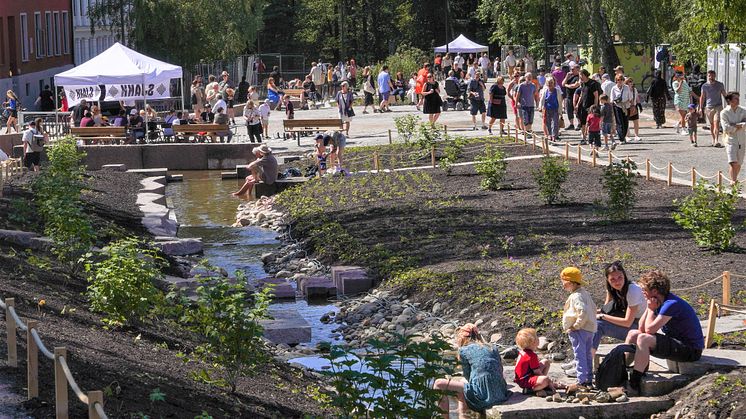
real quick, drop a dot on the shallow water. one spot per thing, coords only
(205, 208)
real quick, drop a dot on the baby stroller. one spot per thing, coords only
(454, 96)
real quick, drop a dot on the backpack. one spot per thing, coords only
(613, 369)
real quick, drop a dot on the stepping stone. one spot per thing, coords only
(175, 178)
(149, 197)
(286, 326)
(317, 287)
(115, 167)
(283, 291)
(353, 282)
(228, 175)
(161, 171)
(180, 247)
(661, 383)
(288, 159)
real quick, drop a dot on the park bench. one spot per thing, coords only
(105, 135)
(296, 96)
(195, 130)
(297, 127)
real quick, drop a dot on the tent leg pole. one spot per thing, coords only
(145, 107)
(181, 83)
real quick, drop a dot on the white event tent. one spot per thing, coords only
(119, 73)
(462, 44)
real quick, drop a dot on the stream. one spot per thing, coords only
(205, 209)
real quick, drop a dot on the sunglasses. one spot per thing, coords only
(429, 77)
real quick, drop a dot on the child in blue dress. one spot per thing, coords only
(483, 385)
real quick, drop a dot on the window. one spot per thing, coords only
(65, 33)
(56, 33)
(2, 41)
(50, 34)
(39, 31)
(28, 89)
(24, 37)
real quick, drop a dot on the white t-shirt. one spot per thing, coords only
(484, 62)
(635, 298)
(317, 75)
(459, 61)
(510, 61)
(447, 62)
(264, 111)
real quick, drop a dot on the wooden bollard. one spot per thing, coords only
(60, 385)
(10, 328)
(694, 178)
(720, 178)
(432, 155)
(593, 158)
(580, 154)
(376, 162)
(445, 130)
(611, 158)
(390, 140)
(567, 151)
(628, 160)
(93, 398)
(647, 169)
(670, 174)
(726, 288)
(710, 324)
(32, 361)
(533, 139)
(525, 138)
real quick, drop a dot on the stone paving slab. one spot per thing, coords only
(287, 326)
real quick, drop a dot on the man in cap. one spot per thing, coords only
(263, 169)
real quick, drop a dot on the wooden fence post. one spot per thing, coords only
(60, 385)
(10, 327)
(580, 154)
(546, 146)
(720, 179)
(593, 158)
(32, 361)
(726, 288)
(432, 155)
(694, 178)
(647, 169)
(670, 173)
(710, 333)
(390, 140)
(611, 158)
(376, 162)
(93, 398)
(533, 138)
(567, 151)
(525, 138)
(445, 130)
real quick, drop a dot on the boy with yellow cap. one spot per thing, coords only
(579, 321)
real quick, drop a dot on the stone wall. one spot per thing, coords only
(199, 156)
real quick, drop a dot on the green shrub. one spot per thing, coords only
(618, 180)
(428, 135)
(550, 177)
(451, 153)
(228, 316)
(406, 126)
(393, 380)
(406, 59)
(121, 285)
(708, 214)
(492, 167)
(57, 193)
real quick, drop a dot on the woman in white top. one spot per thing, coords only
(625, 304)
(621, 97)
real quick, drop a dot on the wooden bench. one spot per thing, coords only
(298, 126)
(296, 96)
(104, 135)
(196, 129)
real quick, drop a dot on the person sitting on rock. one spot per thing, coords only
(683, 340)
(530, 373)
(263, 169)
(483, 385)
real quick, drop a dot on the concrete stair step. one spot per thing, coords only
(520, 406)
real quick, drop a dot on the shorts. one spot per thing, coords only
(735, 150)
(606, 128)
(529, 382)
(322, 162)
(527, 115)
(384, 95)
(692, 131)
(265, 122)
(667, 347)
(343, 116)
(14, 113)
(713, 113)
(477, 106)
(594, 138)
(32, 159)
(582, 115)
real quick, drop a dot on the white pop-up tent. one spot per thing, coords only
(462, 44)
(118, 73)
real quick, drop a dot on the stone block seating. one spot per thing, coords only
(283, 290)
(317, 287)
(262, 189)
(286, 326)
(350, 280)
(115, 167)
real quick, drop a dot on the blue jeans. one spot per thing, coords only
(582, 341)
(608, 329)
(527, 114)
(551, 122)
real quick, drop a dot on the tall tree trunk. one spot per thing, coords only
(603, 42)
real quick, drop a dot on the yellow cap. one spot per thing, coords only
(572, 274)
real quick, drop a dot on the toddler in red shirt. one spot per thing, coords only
(530, 373)
(594, 128)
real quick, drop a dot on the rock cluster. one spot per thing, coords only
(261, 213)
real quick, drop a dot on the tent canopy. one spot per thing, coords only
(462, 44)
(118, 64)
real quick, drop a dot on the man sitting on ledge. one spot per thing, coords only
(683, 340)
(263, 169)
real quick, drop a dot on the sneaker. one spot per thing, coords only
(683, 132)
(631, 391)
(489, 130)
(572, 373)
(578, 128)
(583, 142)
(502, 132)
(365, 112)
(718, 145)
(570, 127)
(474, 128)
(638, 139)
(613, 145)
(484, 126)
(694, 144)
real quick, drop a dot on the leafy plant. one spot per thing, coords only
(121, 285)
(451, 153)
(157, 395)
(708, 214)
(228, 316)
(57, 191)
(492, 167)
(406, 126)
(428, 134)
(393, 380)
(618, 180)
(550, 177)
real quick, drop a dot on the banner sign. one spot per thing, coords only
(159, 89)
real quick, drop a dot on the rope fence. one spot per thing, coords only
(63, 377)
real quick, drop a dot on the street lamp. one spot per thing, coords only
(446, 25)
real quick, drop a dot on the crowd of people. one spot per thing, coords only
(646, 315)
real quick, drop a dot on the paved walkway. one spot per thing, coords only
(659, 145)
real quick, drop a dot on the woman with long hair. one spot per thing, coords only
(369, 89)
(483, 385)
(433, 102)
(11, 104)
(273, 94)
